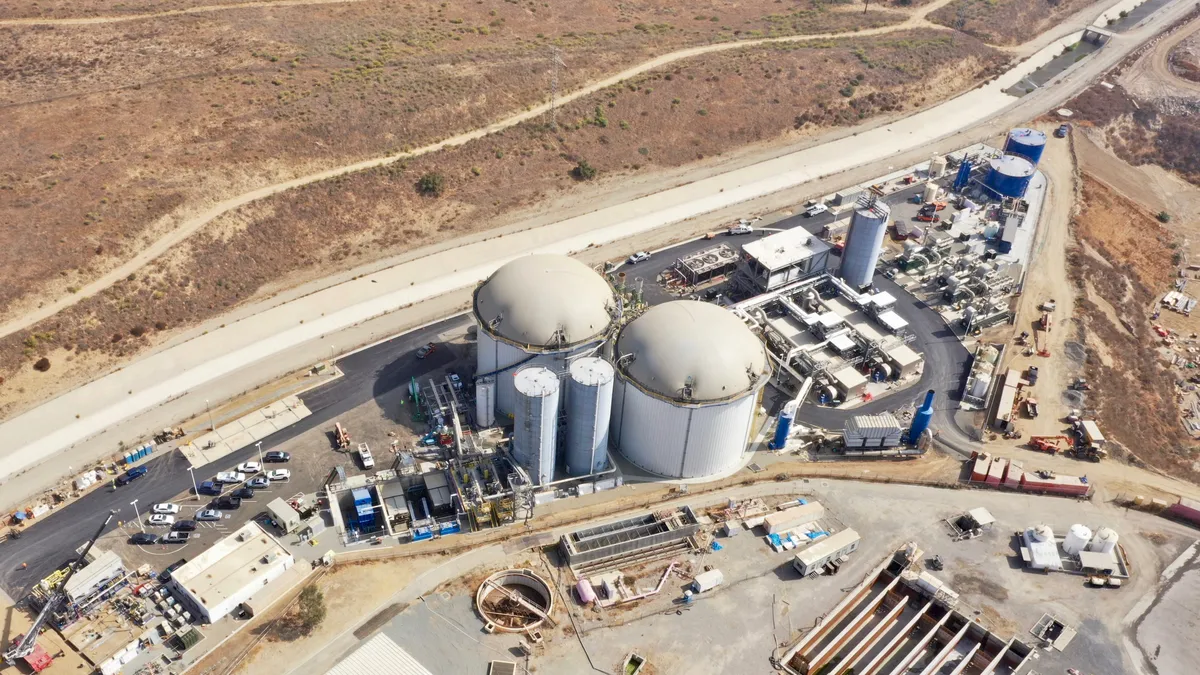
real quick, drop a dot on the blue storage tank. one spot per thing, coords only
(863, 242)
(1027, 143)
(783, 428)
(922, 419)
(1008, 176)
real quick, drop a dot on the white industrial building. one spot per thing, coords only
(784, 258)
(536, 310)
(829, 549)
(237, 567)
(689, 378)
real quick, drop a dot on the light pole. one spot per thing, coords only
(211, 426)
(194, 488)
(260, 462)
(137, 515)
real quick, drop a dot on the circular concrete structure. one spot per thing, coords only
(506, 601)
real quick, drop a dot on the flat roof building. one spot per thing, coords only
(785, 257)
(811, 559)
(215, 582)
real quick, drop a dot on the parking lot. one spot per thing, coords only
(383, 419)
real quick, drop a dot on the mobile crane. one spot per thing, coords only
(25, 645)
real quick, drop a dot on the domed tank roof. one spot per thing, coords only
(1106, 532)
(688, 345)
(1043, 532)
(1011, 165)
(528, 300)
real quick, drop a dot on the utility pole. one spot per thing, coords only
(211, 426)
(556, 63)
(137, 515)
(195, 489)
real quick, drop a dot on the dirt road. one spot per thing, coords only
(207, 9)
(1151, 76)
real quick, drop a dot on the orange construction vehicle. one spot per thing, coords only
(1051, 444)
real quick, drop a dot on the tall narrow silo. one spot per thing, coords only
(864, 241)
(589, 407)
(535, 421)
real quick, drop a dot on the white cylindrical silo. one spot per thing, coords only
(1104, 541)
(538, 310)
(485, 402)
(589, 408)
(689, 375)
(864, 242)
(1077, 539)
(535, 421)
(929, 193)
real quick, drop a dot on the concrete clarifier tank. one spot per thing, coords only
(589, 409)
(535, 422)
(864, 242)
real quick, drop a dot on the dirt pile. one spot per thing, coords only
(1122, 259)
(1185, 58)
(668, 118)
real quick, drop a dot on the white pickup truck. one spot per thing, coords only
(816, 210)
(364, 455)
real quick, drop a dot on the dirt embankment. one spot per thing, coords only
(1185, 58)
(1122, 260)
(1005, 22)
(114, 132)
(1142, 113)
(667, 118)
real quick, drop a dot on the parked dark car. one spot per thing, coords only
(144, 538)
(277, 456)
(243, 493)
(131, 475)
(228, 502)
(165, 575)
(209, 487)
(184, 526)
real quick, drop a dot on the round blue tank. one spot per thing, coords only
(1027, 143)
(1008, 176)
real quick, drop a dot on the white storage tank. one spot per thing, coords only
(980, 387)
(485, 401)
(1104, 541)
(689, 378)
(1077, 539)
(1043, 532)
(864, 242)
(929, 193)
(538, 310)
(535, 421)
(589, 409)
(937, 167)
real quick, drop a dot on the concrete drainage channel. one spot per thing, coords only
(515, 601)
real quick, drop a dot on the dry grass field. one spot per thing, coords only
(667, 118)
(1005, 22)
(115, 131)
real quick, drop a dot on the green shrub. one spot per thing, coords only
(584, 171)
(431, 184)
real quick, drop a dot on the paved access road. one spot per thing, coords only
(50, 543)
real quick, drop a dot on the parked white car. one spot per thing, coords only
(364, 455)
(231, 477)
(166, 508)
(161, 519)
(816, 210)
(640, 256)
(279, 474)
(741, 228)
(249, 467)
